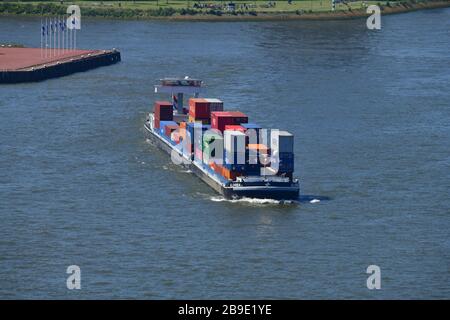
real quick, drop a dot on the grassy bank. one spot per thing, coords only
(213, 10)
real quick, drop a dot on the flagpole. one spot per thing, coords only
(59, 35)
(63, 29)
(58, 25)
(54, 37)
(70, 39)
(40, 31)
(68, 36)
(45, 38)
(55, 40)
(51, 37)
(65, 34)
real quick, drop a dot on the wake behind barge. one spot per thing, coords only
(232, 181)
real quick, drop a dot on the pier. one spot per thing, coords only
(30, 64)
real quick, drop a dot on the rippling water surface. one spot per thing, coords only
(370, 113)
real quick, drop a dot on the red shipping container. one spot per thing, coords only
(163, 111)
(235, 128)
(219, 119)
(168, 129)
(199, 108)
(216, 167)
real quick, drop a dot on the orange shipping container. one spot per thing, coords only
(182, 133)
(229, 174)
(262, 148)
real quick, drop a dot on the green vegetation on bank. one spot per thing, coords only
(167, 8)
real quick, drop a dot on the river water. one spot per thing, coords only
(79, 184)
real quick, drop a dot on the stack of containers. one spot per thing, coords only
(234, 149)
(163, 111)
(284, 147)
(211, 143)
(169, 128)
(258, 155)
(169, 125)
(252, 130)
(196, 141)
(190, 137)
(199, 110)
(219, 119)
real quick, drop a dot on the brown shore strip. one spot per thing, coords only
(285, 16)
(337, 15)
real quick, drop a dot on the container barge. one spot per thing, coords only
(234, 157)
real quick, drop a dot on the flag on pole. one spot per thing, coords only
(65, 30)
(51, 37)
(57, 33)
(46, 37)
(74, 34)
(54, 36)
(61, 27)
(42, 35)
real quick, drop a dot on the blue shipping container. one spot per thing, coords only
(162, 125)
(251, 126)
(235, 167)
(191, 127)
